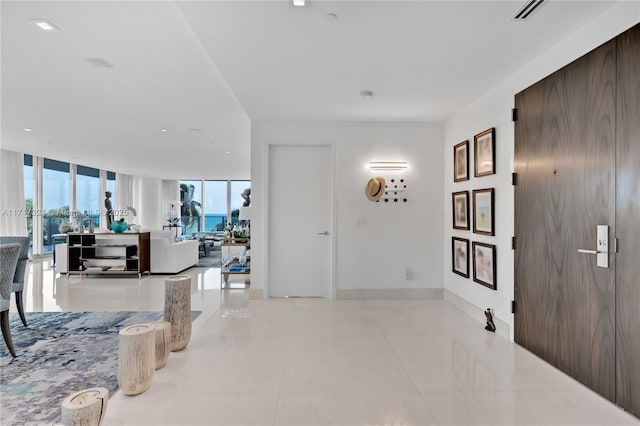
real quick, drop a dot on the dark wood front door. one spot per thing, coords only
(565, 160)
(628, 222)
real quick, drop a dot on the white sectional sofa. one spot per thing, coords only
(169, 257)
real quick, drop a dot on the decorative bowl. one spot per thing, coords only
(119, 226)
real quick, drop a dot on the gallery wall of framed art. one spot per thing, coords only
(474, 211)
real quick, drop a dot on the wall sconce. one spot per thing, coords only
(388, 165)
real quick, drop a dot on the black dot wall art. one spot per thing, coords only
(395, 191)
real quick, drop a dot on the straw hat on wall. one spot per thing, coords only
(375, 188)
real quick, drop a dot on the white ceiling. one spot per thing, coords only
(200, 65)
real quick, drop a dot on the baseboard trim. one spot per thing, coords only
(502, 328)
(399, 293)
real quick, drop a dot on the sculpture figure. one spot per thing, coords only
(246, 194)
(109, 207)
(490, 325)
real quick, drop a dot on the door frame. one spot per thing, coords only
(332, 211)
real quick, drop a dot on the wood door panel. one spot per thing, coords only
(628, 222)
(565, 160)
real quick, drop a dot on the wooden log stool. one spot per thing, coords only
(163, 342)
(85, 408)
(177, 309)
(136, 358)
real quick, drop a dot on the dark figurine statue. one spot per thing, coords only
(490, 325)
(109, 208)
(246, 194)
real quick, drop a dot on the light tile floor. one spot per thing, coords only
(322, 362)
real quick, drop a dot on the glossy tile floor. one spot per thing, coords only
(322, 362)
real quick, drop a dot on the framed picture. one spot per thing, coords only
(461, 161)
(460, 207)
(460, 256)
(483, 211)
(484, 145)
(484, 264)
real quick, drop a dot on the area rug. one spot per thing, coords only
(58, 354)
(212, 259)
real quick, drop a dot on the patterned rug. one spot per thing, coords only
(212, 259)
(58, 354)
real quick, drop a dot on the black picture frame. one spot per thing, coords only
(461, 161)
(460, 210)
(484, 211)
(484, 148)
(460, 256)
(485, 264)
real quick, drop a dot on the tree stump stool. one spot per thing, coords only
(85, 408)
(163, 342)
(136, 358)
(177, 309)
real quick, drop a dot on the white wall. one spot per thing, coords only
(494, 110)
(396, 236)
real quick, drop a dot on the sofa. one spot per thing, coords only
(170, 257)
(167, 256)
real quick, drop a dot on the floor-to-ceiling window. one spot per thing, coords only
(211, 205)
(236, 199)
(55, 200)
(28, 193)
(88, 197)
(215, 205)
(111, 184)
(191, 210)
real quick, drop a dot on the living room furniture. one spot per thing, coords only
(86, 407)
(136, 358)
(169, 257)
(166, 256)
(9, 254)
(232, 266)
(177, 310)
(108, 253)
(17, 286)
(163, 342)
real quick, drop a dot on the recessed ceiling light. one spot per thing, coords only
(164, 130)
(45, 25)
(195, 129)
(299, 3)
(366, 94)
(211, 144)
(26, 129)
(227, 152)
(331, 17)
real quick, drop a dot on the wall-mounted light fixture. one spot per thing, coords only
(388, 165)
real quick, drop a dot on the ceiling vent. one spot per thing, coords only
(98, 62)
(527, 9)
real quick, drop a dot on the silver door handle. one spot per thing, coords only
(590, 251)
(602, 247)
(325, 233)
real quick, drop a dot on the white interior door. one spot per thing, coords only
(299, 248)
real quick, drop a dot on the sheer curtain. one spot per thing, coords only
(124, 193)
(13, 218)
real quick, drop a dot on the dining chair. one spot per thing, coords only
(9, 254)
(17, 286)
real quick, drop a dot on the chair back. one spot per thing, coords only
(8, 259)
(23, 257)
